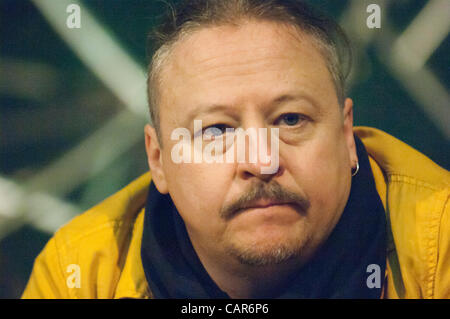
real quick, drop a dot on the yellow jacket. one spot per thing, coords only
(104, 243)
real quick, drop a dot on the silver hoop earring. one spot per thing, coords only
(356, 169)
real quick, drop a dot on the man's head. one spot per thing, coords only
(233, 66)
(197, 14)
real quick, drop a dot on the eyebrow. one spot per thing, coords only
(284, 98)
(206, 110)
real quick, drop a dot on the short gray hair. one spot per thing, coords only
(191, 15)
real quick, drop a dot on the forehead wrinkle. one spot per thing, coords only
(234, 66)
(239, 69)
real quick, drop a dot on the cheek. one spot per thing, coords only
(320, 170)
(198, 191)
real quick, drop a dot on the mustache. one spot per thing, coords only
(262, 191)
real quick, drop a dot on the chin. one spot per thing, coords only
(268, 247)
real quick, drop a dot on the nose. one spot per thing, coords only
(261, 158)
(253, 170)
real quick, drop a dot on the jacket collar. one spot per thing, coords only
(132, 282)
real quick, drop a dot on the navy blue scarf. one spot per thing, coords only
(338, 269)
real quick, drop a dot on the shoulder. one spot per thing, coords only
(396, 159)
(417, 205)
(111, 219)
(94, 243)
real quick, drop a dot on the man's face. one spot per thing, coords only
(258, 75)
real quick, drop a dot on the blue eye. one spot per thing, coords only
(215, 130)
(290, 119)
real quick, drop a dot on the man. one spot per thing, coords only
(346, 213)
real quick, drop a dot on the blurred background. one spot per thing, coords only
(73, 103)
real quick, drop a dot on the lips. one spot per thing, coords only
(265, 204)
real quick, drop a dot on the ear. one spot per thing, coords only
(154, 158)
(348, 131)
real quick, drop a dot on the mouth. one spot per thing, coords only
(267, 200)
(264, 205)
(269, 214)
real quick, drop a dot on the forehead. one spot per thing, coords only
(228, 64)
(265, 37)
